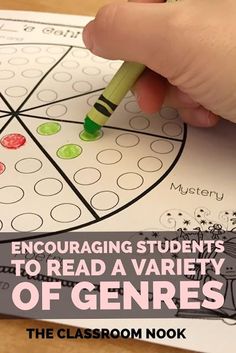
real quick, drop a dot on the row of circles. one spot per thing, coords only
(21, 61)
(34, 73)
(107, 156)
(90, 175)
(10, 50)
(124, 140)
(102, 201)
(47, 60)
(29, 222)
(51, 186)
(76, 53)
(110, 157)
(59, 110)
(45, 95)
(63, 213)
(138, 122)
(66, 212)
(60, 76)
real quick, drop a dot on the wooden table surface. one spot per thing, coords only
(13, 338)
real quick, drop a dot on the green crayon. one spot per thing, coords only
(116, 90)
(111, 97)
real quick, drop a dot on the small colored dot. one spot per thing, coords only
(85, 136)
(69, 151)
(2, 168)
(48, 129)
(13, 141)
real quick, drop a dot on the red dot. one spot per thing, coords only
(13, 141)
(2, 168)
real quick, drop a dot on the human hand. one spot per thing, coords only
(189, 48)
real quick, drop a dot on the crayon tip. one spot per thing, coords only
(90, 126)
(86, 136)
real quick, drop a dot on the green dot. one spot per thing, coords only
(69, 151)
(86, 136)
(48, 129)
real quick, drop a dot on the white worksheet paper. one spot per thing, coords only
(146, 172)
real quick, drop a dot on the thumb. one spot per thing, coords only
(136, 32)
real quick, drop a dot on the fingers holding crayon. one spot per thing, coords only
(152, 91)
(188, 48)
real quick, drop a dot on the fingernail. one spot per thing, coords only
(204, 117)
(212, 119)
(87, 36)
